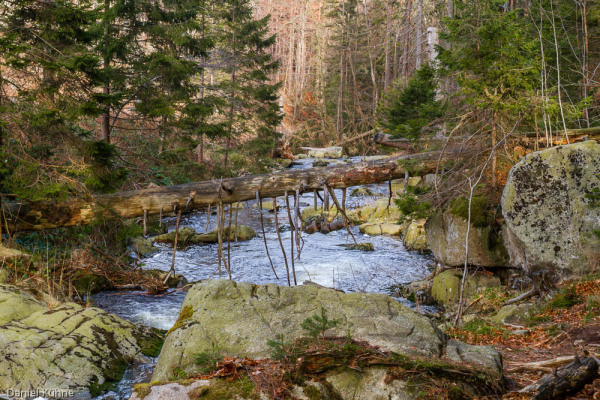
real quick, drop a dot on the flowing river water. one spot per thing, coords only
(324, 260)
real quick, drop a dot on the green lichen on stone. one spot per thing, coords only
(186, 313)
(142, 390)
(222, 389)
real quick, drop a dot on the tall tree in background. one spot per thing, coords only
(251, 99)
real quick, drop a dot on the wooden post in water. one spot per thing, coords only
(145, 218)
(287, 268)
(297, 221)
(229, 241)
(292, 230)
(172, 270)
(262, 226)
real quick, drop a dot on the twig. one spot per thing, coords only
(287, 268)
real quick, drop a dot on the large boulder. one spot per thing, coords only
(239, 318)
(446, 235)
(547, 209)
(85, 350)
(446, 285)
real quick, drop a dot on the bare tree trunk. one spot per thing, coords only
(388, 36)
(407, 39)
(419, 52)
(106, 89)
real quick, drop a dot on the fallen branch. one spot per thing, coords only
(561, 382)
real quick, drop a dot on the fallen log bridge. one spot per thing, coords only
(162, 200)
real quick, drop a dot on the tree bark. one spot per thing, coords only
(129, 204)
(562, 382)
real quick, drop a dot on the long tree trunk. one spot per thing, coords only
(42, 215)
(106, 89)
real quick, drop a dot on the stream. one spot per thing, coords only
(324, 260)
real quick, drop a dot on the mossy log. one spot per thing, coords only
(562, 382)
(162, 200)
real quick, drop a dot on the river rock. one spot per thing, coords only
(266, 205)
(446, 239)
(239, 318)
(300, 157)
(446, 285)
(327, 152)
(144, 247)
(188, 236)
(383, 228)
(547, 209)
(68, 347)
(414, 236)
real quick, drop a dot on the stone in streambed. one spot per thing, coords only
(256, 313)
(327, 152)
(414, 235)
(68, 347)
(266, 205)
(188, 236)
(385, 228)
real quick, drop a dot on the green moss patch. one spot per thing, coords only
(186, 313)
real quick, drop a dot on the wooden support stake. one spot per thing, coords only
(172, 270)
(229, 241)
(297, 221)
(262, 225)
(390, 194)
(315, 198)
(326, 199)
(145, 218)
(346, 220)
(237, 207)
(406, 177)
(208, 217)
(160, 218)
(292, 230)
(219, 237)
(287, 268)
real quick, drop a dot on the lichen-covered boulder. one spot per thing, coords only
(446, 285)
(327, 152)
(547, 208)
(446, 235)
(188, 236)
(515, 314)
(69, 347)
(414, 235)
(383, 228)
(239, 318)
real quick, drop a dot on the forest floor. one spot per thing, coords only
(567, 324)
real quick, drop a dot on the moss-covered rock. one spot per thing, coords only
(86, 282)
(188, 236)
(16, 304)
(446, 235)
(547, 209)
(327, 152)
(256, 313)
(266, 205)
(68, 347)
(515, 314)
(144, 247)
(414, 236)
(446, 286)
(382, 228)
